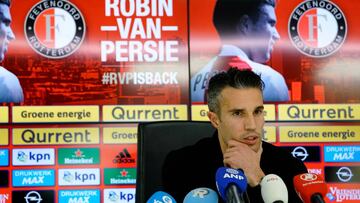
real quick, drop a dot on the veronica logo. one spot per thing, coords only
(54, 29)
(317, 28)
(342, 153)
(79, 196)
(30, 178)
(83, 176)
(4, 157)
(119, 195)
(29, 157)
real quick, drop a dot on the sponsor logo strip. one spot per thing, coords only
(31, 178)
(4, 133)
(33, 196)
(73, 156)
(80, 176)
(345, 193)
(126, 135)
(342, 174)
(79, 196)
(120, 156)
(119, 195)
(119, 176)
(55, 136)
(319, 112)
(305, 153)
(33, 157)
(55, 114)
(135, 113)
(199, 112)
(4, 114)
(342, 153)
(319, 133)
(4, 157)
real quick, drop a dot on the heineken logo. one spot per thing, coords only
(119, 176)
(79, 156)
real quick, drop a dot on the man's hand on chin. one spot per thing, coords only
(240, 156)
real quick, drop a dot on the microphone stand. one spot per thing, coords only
(233, 195)
(317, 198)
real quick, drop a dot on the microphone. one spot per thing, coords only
(161, 197)
(201, 195)
(273, 189)
(311, 188)
(231, 184)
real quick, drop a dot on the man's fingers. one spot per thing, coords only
(234, 143)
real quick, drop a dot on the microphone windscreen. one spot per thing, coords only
(308, 184)
(201, 195)
(226, 176)
(273, 189)
(161, 197)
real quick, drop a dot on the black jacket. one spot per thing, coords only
(195, 166)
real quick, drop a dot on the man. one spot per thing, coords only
(10, 89)
(248, 34)
(236, 110)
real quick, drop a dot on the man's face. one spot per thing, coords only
(263, 34)
(6, 33)
(241, 117)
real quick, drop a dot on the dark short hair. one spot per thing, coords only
(7, 2)
(236, 78)
(228, 12)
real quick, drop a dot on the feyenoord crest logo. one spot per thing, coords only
(317, 28)
(54, 28)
